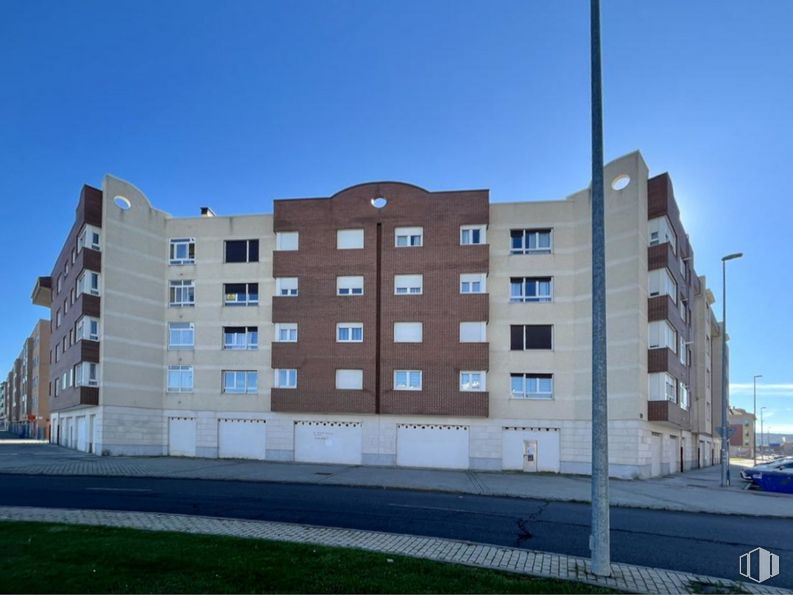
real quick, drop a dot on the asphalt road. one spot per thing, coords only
(692, 542)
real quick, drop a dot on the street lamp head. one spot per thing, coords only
(732, 256)
(757, 376)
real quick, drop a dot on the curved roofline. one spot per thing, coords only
(379, 182)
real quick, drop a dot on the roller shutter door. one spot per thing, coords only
(241, 438)
(328, 442)
(432, 445)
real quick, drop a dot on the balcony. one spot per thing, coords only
(666, 360)
(42, 292)
(661, 307)
(668, 413)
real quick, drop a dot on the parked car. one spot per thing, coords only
(781, 464)
(776, 480)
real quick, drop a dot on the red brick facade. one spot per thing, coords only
(441, 259)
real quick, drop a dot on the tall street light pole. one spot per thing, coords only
(599, 540)
(725, 394)
(761, 424)
(754, 412)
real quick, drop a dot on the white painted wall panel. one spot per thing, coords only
(432, 445)
(328, 442)
(241, 438)
(548, 448)
(181, 436)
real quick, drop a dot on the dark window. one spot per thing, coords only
(530, 336)
(241, 294)
(242, 250)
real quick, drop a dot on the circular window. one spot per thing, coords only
(379, 202)
(620, 182)
(122, 203)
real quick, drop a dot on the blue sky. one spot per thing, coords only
(232, 104)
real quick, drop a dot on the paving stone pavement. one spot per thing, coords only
(625, 577)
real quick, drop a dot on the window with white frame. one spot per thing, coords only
(182, 251)
(473, 283)
(285, 378)
(661, 282)
(58, 317)
(88, 282)
(240, 381)
(471, 235)
(531, 386)
(352, 285)
(408, 332)
(473, 332)
(181, 335)
(661, 232)
(86, 374)
(530, 289)
(181, 293)
(287, 240)
(349, 239)
(407, 379)
(286, 286)
(242, 251)
(662, 335)
(285, 332)
(89, 238)
(663, 387)
(530, 241)
(180, 379)
(59, 284)
(241, 337)
(241, 294)
(473, 381)
(349, 332)
(408, 284)
(349, 379)
(408, 237)
(683, 402)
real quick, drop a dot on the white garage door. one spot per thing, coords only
(181, 436)
(82, 434)
(432, 445)
(241, 438)
(530, 449)
(657, 453)
(328, 442)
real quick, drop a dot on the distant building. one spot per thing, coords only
(741, 433)
(25, 392)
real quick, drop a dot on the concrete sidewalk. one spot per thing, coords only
(694, 491)
(625, 577)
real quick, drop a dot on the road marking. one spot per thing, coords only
(119, 490)
(432, 508)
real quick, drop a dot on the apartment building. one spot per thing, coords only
(3, 406)
(383, 325)
(742, 432)
(25, 403)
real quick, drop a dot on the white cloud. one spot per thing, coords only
(765, 390)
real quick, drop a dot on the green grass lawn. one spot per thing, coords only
(54, 558)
